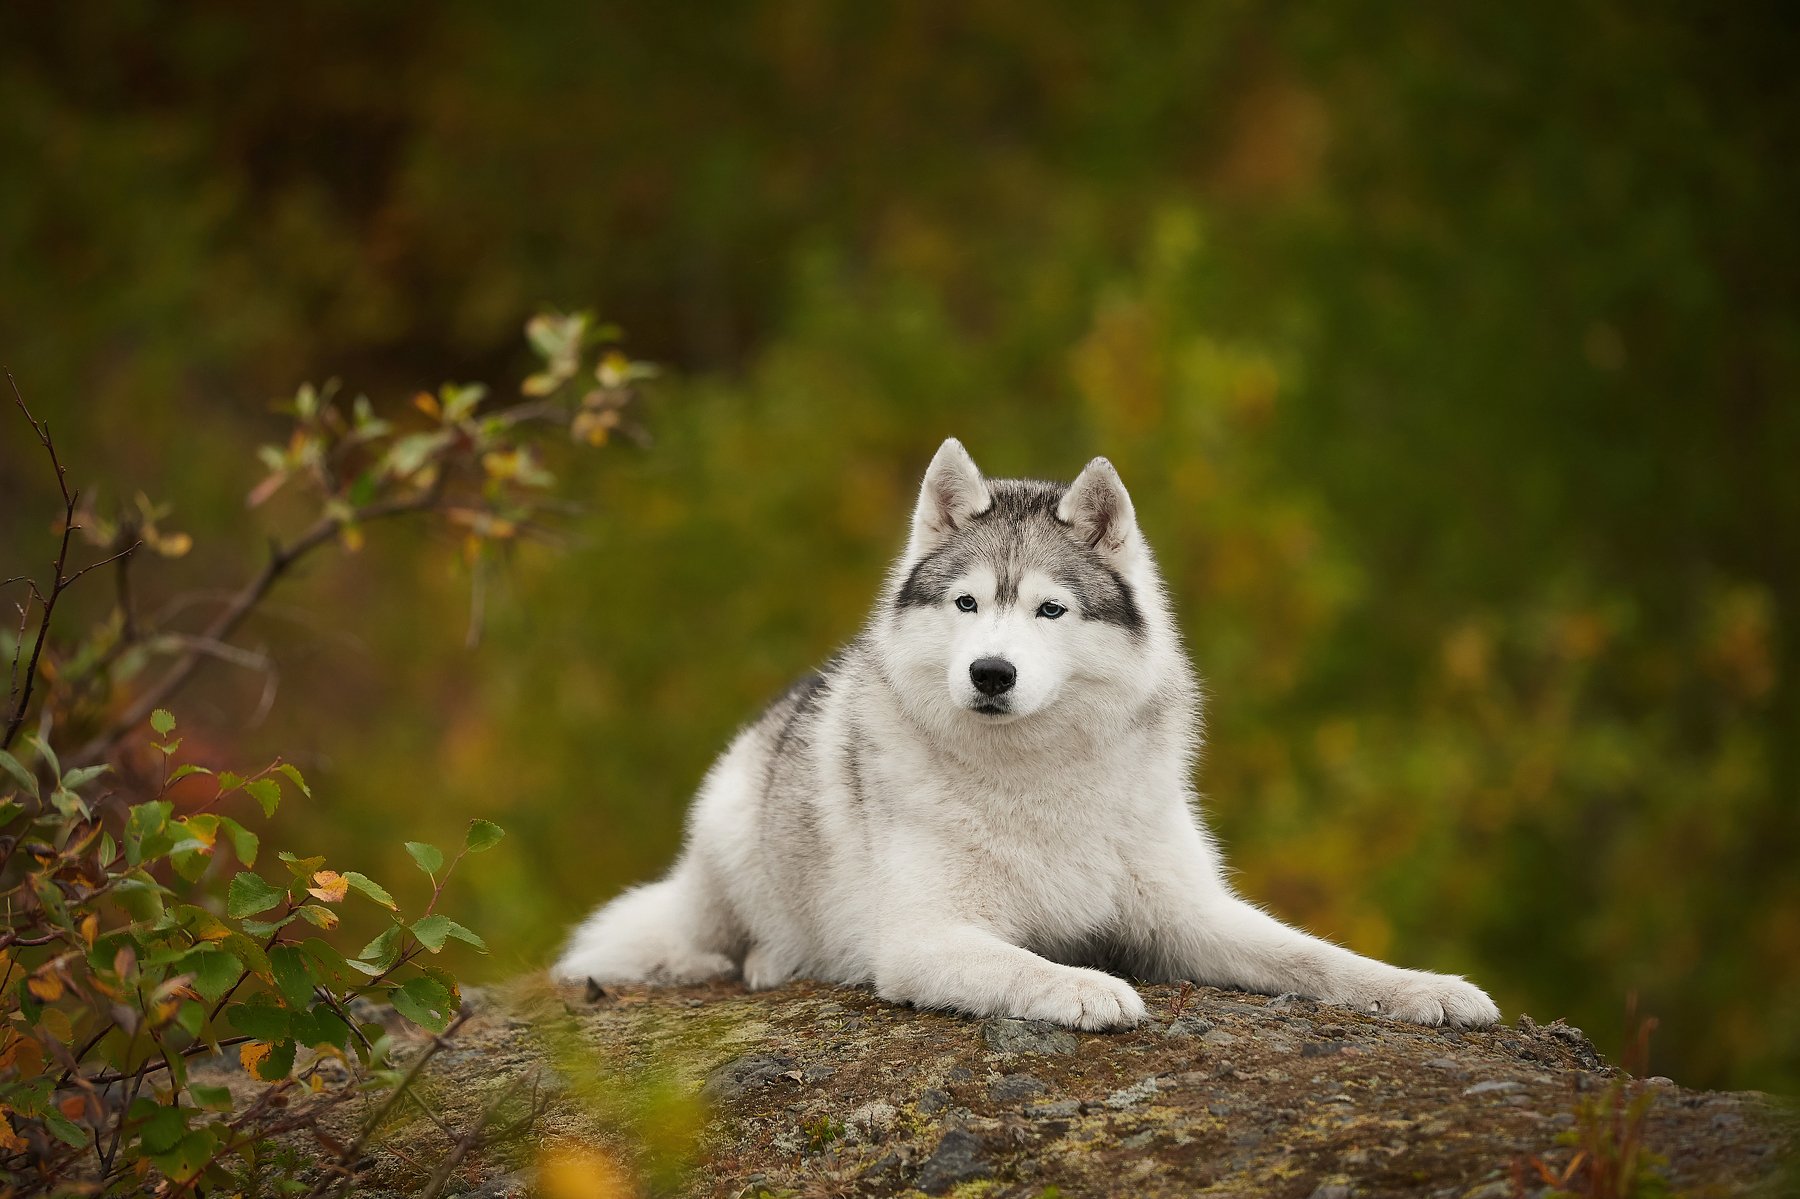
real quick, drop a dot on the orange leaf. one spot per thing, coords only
(46, 987)
(253, 1053)
(329, 886)
(73, 1106)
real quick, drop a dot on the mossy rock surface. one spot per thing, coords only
(815, 1090)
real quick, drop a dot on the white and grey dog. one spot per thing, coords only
(984, 803)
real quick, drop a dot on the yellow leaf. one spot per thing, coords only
(55, 1021)
(427, 403)
(90, 928)
(46, 987)
(329, 886)
(10, 1141)
(253, 1053)
(572, 1171)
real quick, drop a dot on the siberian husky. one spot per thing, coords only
(984, 804)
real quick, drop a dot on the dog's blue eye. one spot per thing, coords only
(1050, 609)
(965, 603)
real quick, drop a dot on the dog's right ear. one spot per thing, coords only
(953, 494)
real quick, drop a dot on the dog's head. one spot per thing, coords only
(1017, 597)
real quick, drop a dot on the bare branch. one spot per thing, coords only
(348, 1158)
(281, 559)
(57, 583)
(113, 558)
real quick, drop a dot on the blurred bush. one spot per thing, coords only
(1450, 357)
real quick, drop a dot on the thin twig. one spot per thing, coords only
(57, 582)
(281, 559)
(440, 1177)
(350, 1155)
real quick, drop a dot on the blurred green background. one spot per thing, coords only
(1451, 357)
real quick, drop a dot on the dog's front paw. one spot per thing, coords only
(1420, 997)
(1086, 999)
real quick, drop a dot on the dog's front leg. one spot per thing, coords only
(1193, 926)
(952, 964)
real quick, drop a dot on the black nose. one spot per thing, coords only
(991, 676)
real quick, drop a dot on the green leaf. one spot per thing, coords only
(143, 828)
(22, 776)
(48, 754)
(162, 1129)
(302, 867)
(63, 1128)
(367, 886)
(384, 950)
(191, 1017)
(69, 804)
(266, 792)
(249, 894)
(432, 931)
(317, 914)
(293, 774)
(212, 1099)
(483, 836)
(264, 1021)
(424, 1001)
(262, 928)
(278, 1064)
(251, 954)
(141, 896)
(293, 974)
(215, 971)
(429, 857)
(319, 1025)
(10, 810)
(244, 843)
(329, 965)
(163, 721)
(185, 769)
(185, 1162)
(467, 936)
(84, 776)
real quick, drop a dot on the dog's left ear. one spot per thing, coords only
(1098, 509)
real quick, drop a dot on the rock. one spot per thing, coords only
(876, 1119)
(514, 1185)
(957, 1158)
(1293, 1000)
(1056, 1109)
(1332, 1190)
(1010, 1088)
(1494, 1086)
(1008, 1037)
(752, 1070)
(1134, 1094)
(932, 1100)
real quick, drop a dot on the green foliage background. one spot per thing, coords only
(1451, 358)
